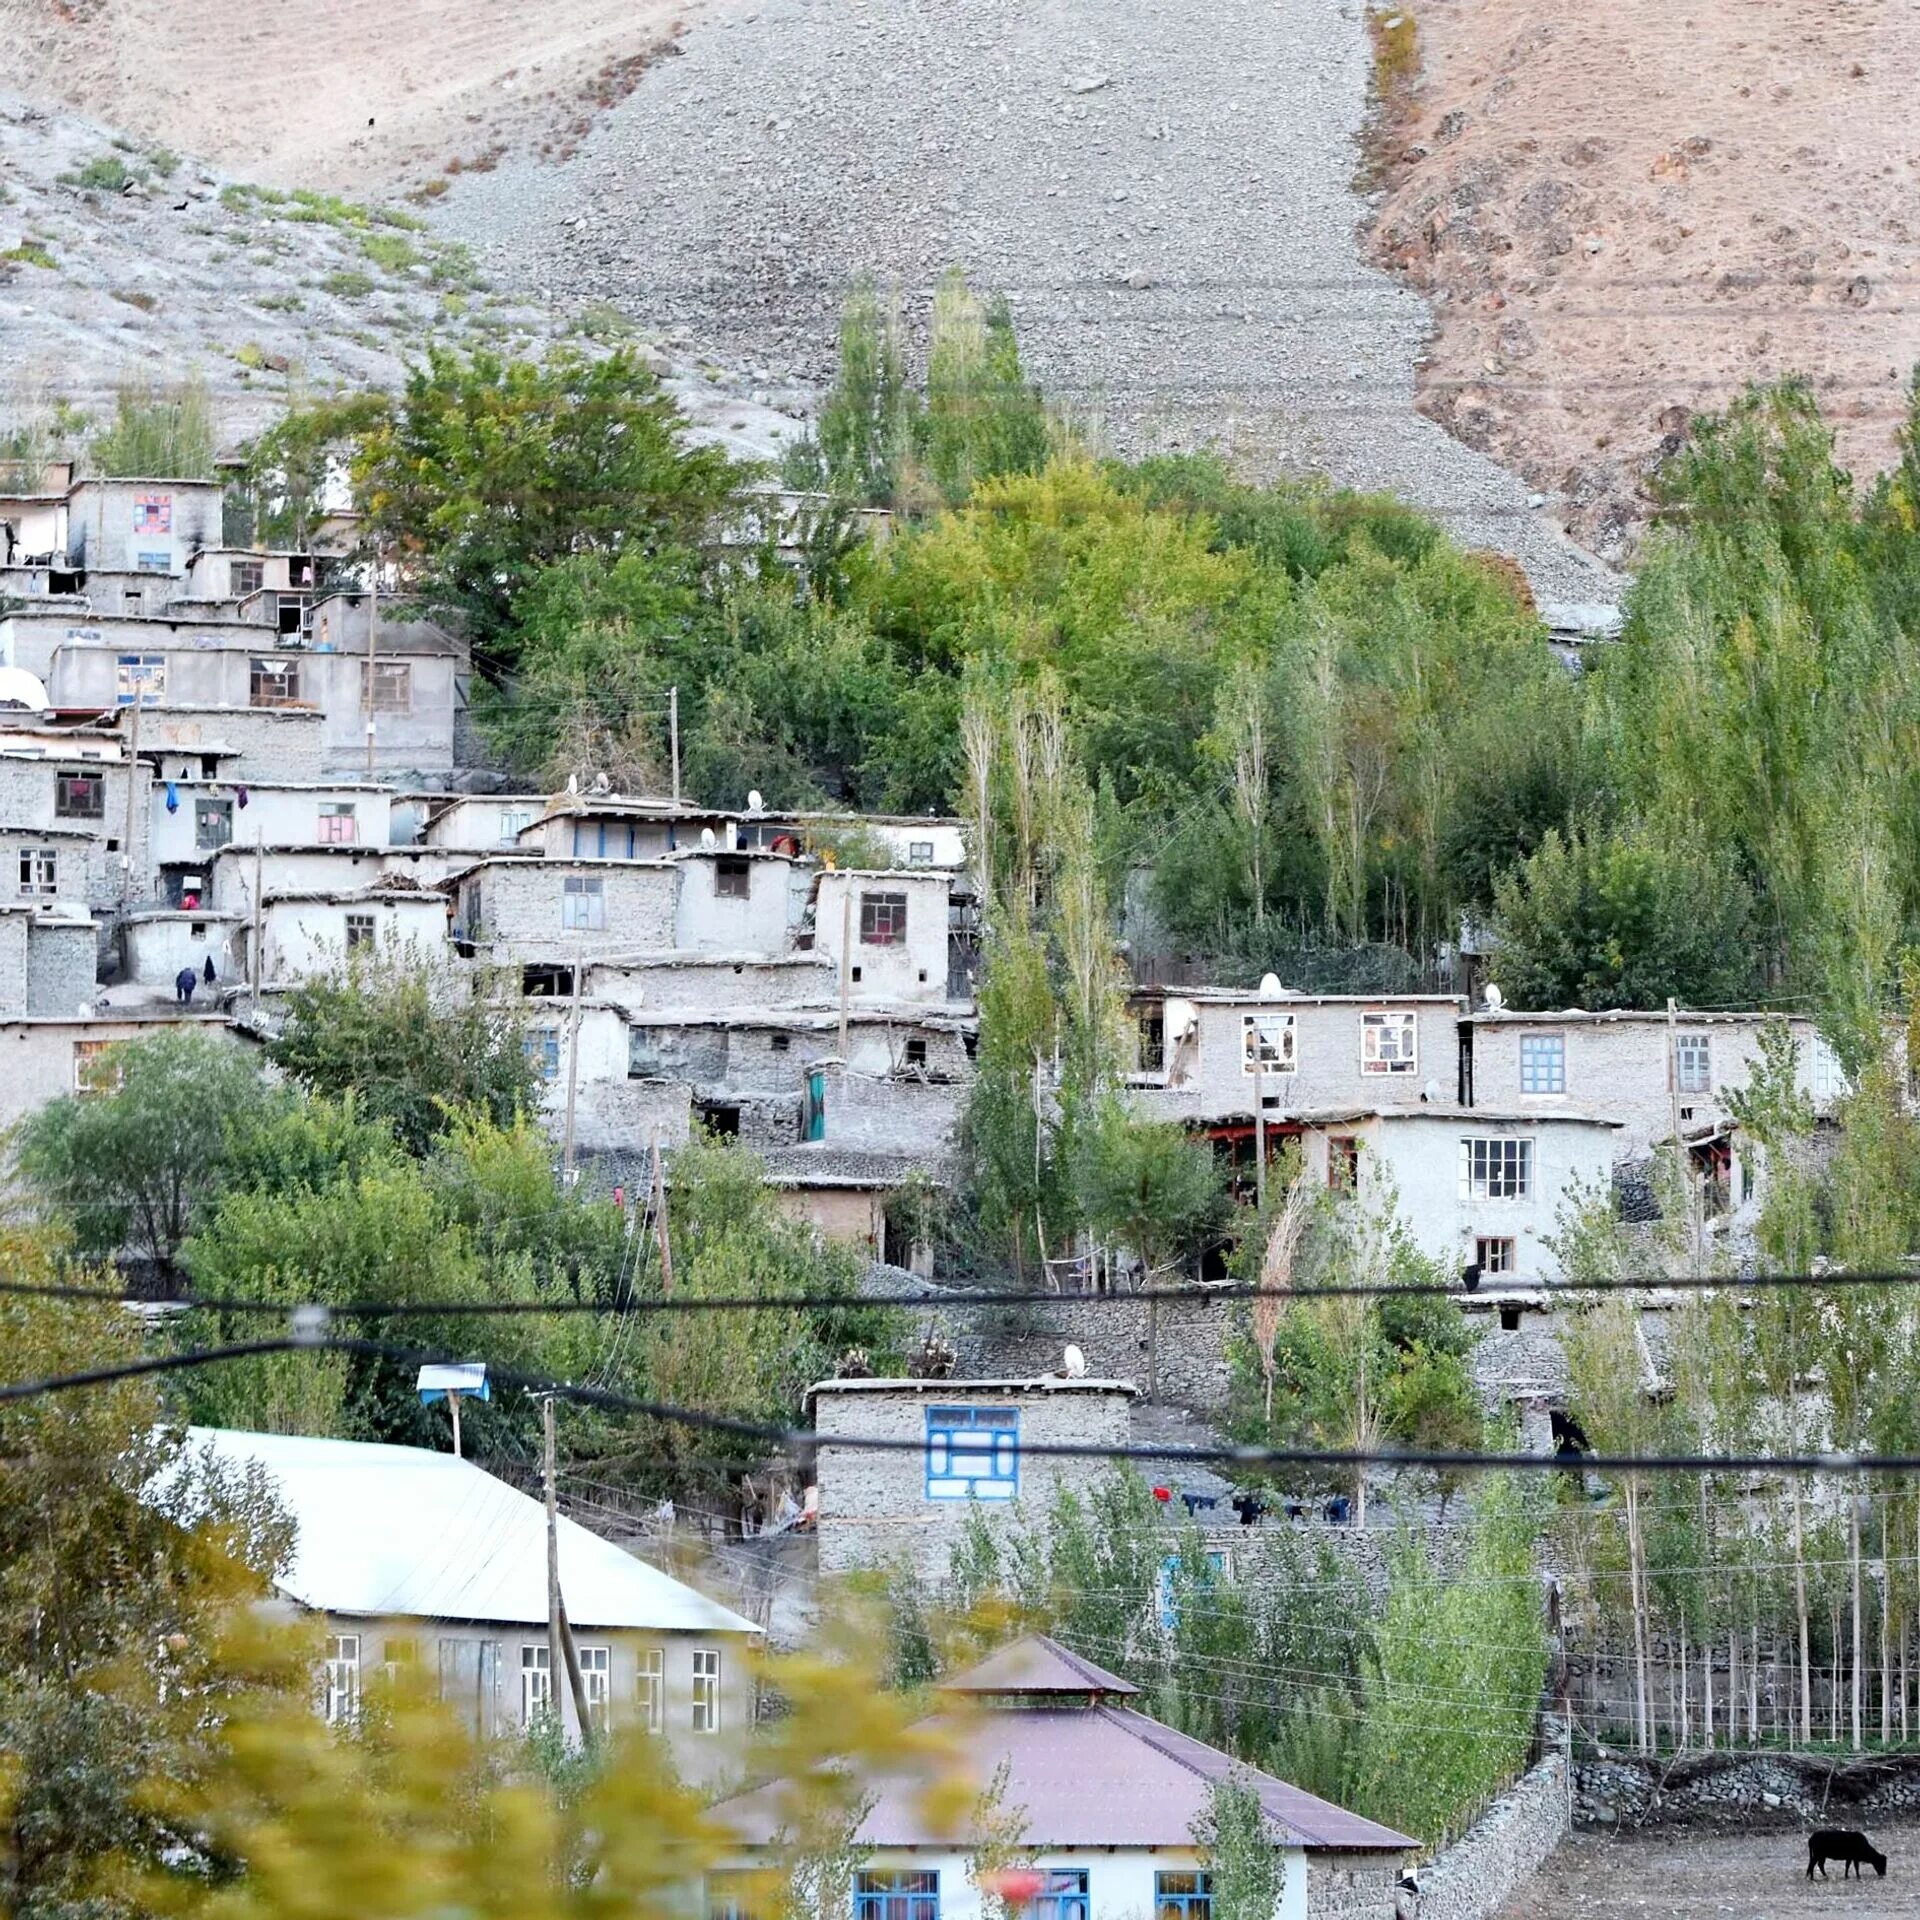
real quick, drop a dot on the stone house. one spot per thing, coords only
(421, 1560)
(144, 525)
(156, 944)
(49, 960)
(681, 982)
(1110, 1798)
(519, 911)
(191, 819)
(589, 826)
(842, 1194)
(304, 933)
(33, 513)
(479, 823)
(891, 929)
(234, 744)
(73, 823)
(45, 1057)
(306, 867)
(911, 840)
(963, 1455)
(737, 903)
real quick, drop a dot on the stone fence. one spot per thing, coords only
(1503, 1849)
(1743, 1789)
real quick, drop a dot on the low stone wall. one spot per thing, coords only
(1502, 1850)
(1743, 1789)
(1352, 1886)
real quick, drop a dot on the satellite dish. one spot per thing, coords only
(1430, 1093)
(1495, 998)
(1270, 987)
(1073, 1363)
(706, 836)
(573, 783)
(754, 802)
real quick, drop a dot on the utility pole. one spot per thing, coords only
(453, 1407)
(673, 737)
(259, 918)
(660, 1216)
(133, 785)
(573, 1075)
(373, 653)
(560, 1650)
(846, 961)
(1259, 1119)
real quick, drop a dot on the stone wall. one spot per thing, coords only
(62, 963)
(1352, 1886)
(1503, 1849)
(1743, 1789)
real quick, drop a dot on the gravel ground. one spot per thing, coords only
(1165, 192)
(1743, 1876)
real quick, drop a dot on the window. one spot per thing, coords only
(596, 1672)
(244, 577)
(706, 1690)
(896, 1895)
(732, 878)
(141, 677)
(513, 820)
(339, 824)
(1183, 1896)
(779, 1043)
(973, 1452)
(1267, 1043)
(39, 872)
(80, 796)
(343, 1679)
(1062, 1896)
(1343, 1162)
(730, 1895)
(1543, 1063)
(272, 682)
(153, 513)
(536, 1682)
(919, 853)
(916, 1053)
(399, 1654)
(392, 689)
(1493, 1257)
(1152, 1023)
(158, 561)
(360, 930)
(541, 1045)
(1389, 1043)
(212, 823)
(470, 1682)
(96, 1068)
(583, 906)
(650, 1688)
(1167, 1590)
(1693, 1062)
(1496, 1169)
(883, 919)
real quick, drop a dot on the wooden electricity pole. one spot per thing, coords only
(573, 1074)
(560, 1648)
(673, 737)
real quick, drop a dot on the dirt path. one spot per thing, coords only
(1749, 1876)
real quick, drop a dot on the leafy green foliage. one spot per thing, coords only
(1242, 1852)
(162, 434)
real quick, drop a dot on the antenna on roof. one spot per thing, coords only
(706, 836)
(754, 801)
(1494, 997)
(1270, 987)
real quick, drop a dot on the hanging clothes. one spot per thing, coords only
(173, 798)
(240, 794)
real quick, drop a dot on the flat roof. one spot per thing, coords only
(1040, 1383)
(1624, 1016)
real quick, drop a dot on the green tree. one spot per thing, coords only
(1242, 1851)
(1149, 1186)
(157, 433)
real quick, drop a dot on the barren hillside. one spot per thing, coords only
(348, 95)
(1623, 213)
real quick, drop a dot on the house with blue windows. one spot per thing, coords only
(976, 1447)
(1110, 1800)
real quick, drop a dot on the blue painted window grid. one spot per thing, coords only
(973, 1452)
(1063, 1896)
(1543, 1063)
(1183, 1896)
(896, 1896)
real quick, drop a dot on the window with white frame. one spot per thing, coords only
(536, 1681)
(650, 1688)
(1496, 1168)
(245, 577)
(1543, 1063)
(583, 905)
(596, 1675)
(343, 1679)
(919, 853)
(513, 821)
(973, 1453)
(1693, 1062)
(338, 824)
(1493, 1257)
(706, 1690)
(39, 873)
(1389, 1043)
(1267, 1043)
(272, 682)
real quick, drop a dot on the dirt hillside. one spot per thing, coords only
(348, 95)
(1622, 213)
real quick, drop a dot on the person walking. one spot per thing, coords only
(208, 974)
(184, 983)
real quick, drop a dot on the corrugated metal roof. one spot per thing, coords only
(1037, 1664)
(399, 1530)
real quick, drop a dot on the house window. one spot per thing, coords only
(596, 1673)
(779, 1043)
(1166, 1589)
(650, 1688)
(360, 930)
(883, 919)
(343, 1679)
(154, 562)
(898, 1894)
(919, 853)
(141, 677)
(916, 1053)
(1343, 1163)
(1389, 1043)
(706, 1690)
(973, 1452)
(1496, 1169)
(212, 823)
(1693, 1062)
(1152, 1023)
(392, 689)
(731, 878)
(1267, 1043)
(96, 1068)
(536, 1682)
(244, 577)
(583, 906)
(272, 682)
(39, 872)
(731, 1895)
(541, 1045)
(513, 821)
(1494, 1257)
(339, 824)
(153, 513)
(1183, 1896)
(399, 1655)
(79, 796)
(470, 1682)
(1543, 1063)
(1062, 1896)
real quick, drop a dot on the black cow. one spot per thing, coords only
(1839, 1843)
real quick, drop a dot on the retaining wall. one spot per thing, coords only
(1502, 1850)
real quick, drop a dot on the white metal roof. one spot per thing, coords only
(399, 1530)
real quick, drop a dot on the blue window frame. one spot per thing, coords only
(1543, 1063)
(973, 1452)
(1183, 1896)
(896, 1896)
(1167, 1592)
(541, 1045)
(1062, 1896)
